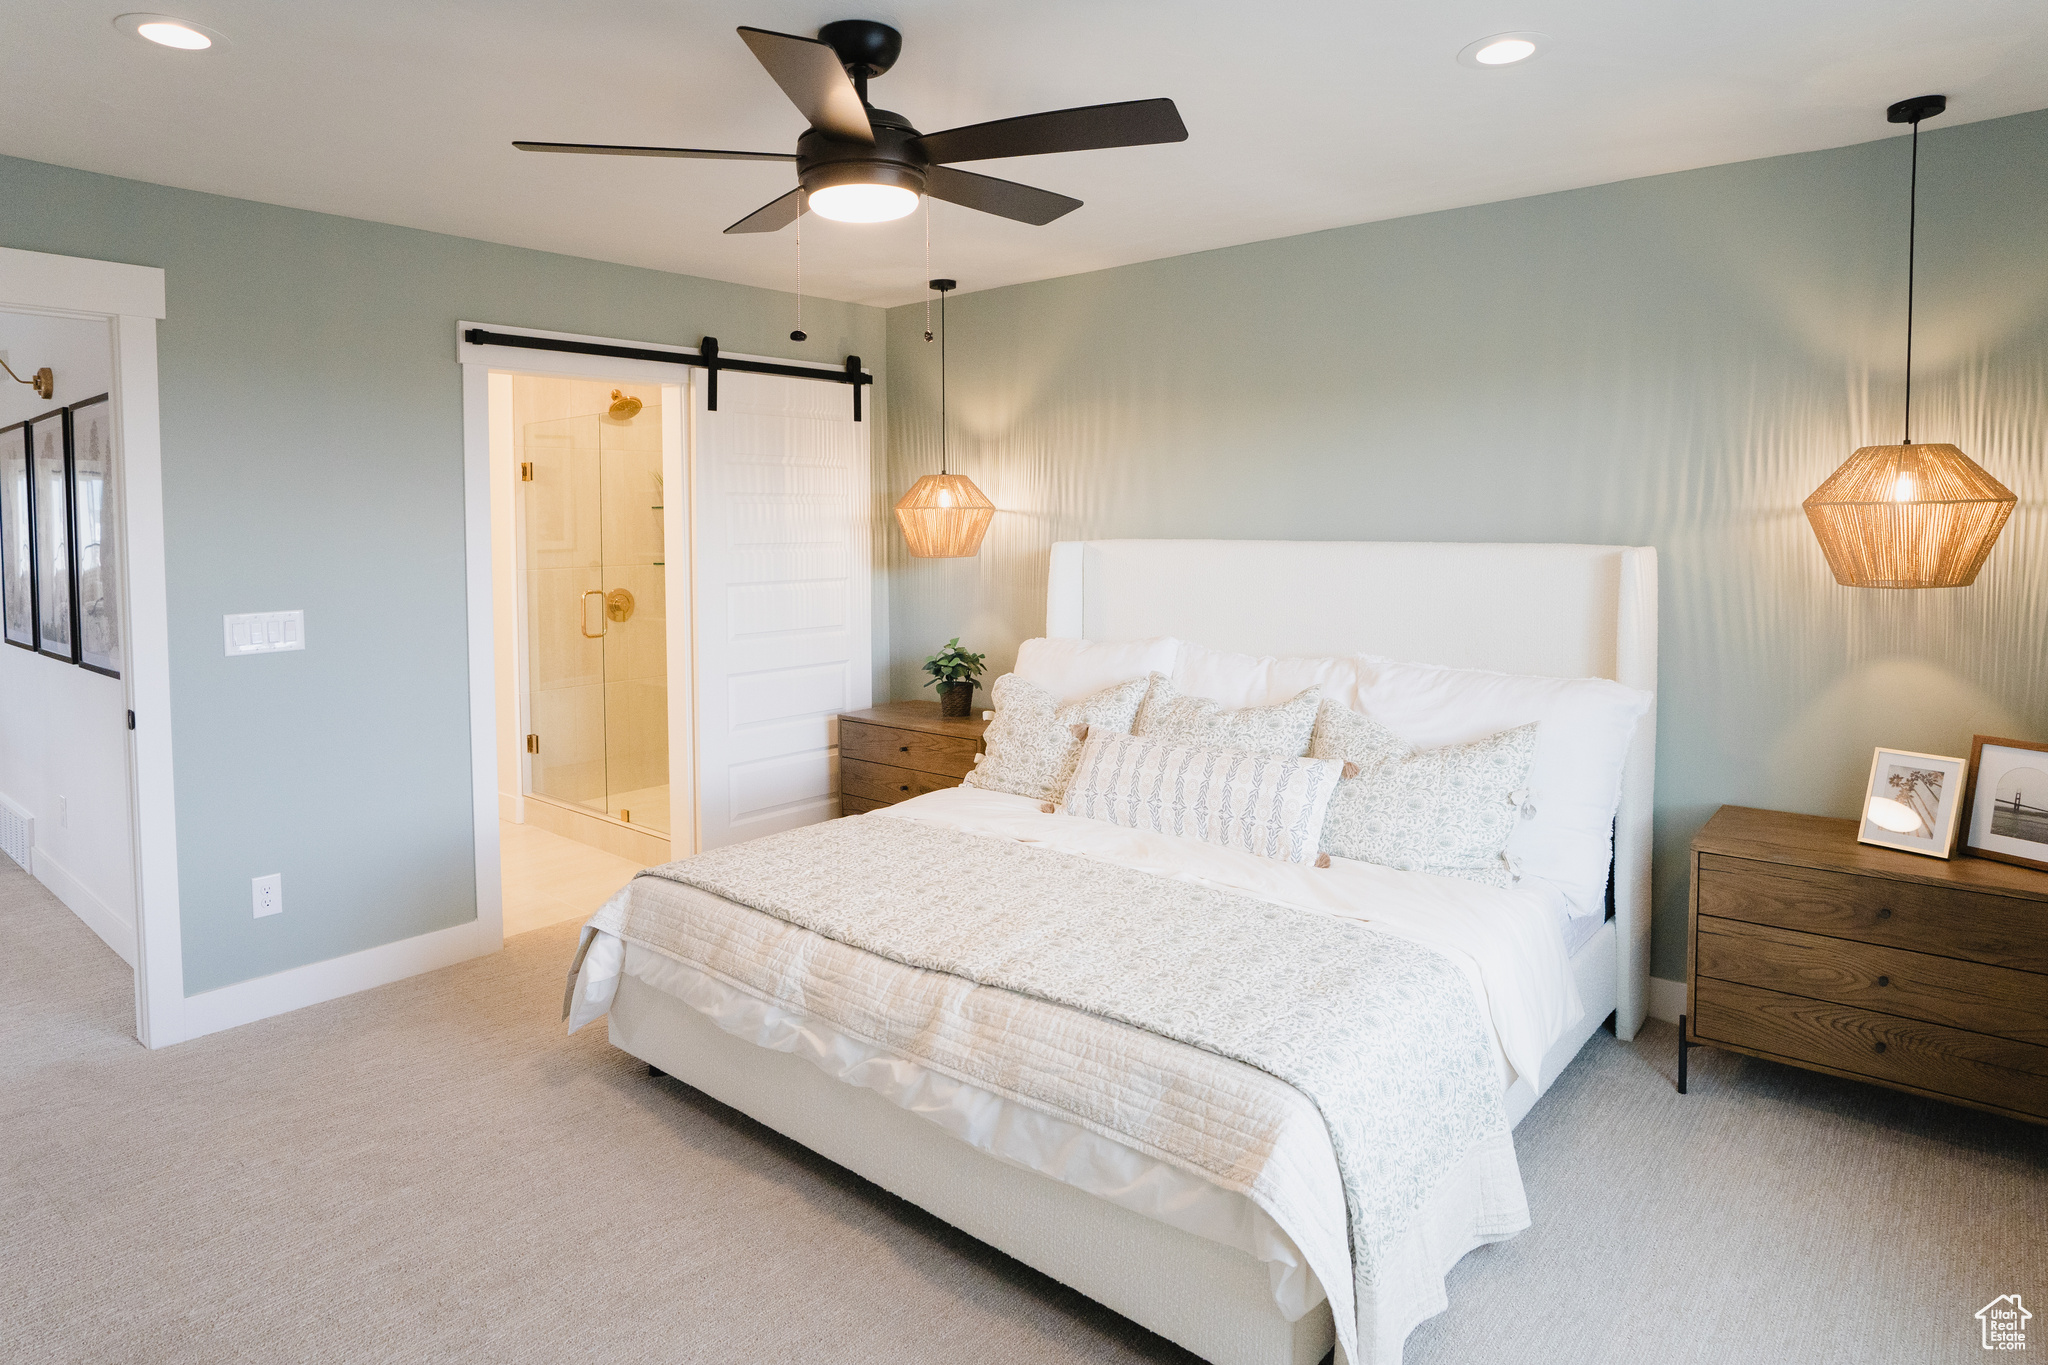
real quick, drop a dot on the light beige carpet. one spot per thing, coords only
(433, 1172)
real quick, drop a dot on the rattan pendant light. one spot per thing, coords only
(944, 516)
(1909, 516)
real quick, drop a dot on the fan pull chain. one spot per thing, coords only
(927, 267)
(798, 334)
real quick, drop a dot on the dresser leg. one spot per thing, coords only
(1685, 1045)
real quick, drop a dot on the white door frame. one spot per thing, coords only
(130, 300)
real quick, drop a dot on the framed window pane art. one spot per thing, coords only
(17, 539)
(2007, 814)
(96, 519)
(56, 576)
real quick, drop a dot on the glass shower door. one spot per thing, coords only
(596, 637)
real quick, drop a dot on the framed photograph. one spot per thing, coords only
(96, 521)
(17, 540)
(2005, 812)
(56, 567)
(1913, 802)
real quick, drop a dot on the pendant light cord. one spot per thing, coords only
(1912, 250)
(943, 338)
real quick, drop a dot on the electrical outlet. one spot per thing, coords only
(268, 893)
(63, 812)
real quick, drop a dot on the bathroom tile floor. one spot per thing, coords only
(549, 879)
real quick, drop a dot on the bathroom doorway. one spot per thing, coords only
(582, 467)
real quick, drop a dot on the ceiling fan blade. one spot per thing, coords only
(810, 74)
(1134, 123)
(606, 149)
(1004, 198)
(773, 216)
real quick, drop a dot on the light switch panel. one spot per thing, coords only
(264, 632)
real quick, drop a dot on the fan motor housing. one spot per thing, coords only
(896, 158)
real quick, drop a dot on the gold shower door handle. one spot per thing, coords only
(584, 623)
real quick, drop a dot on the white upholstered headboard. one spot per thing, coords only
(1573, 611)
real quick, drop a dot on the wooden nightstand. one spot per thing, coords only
(902, 749)
(1924, 975)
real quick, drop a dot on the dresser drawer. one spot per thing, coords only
(1992, 1071)
(1937, 990)
(949, 755)
(882, 783)
(2004, 931)
(850, 804)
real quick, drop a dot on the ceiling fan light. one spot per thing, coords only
(863, 203)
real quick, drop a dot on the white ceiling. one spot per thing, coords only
(1302, 115)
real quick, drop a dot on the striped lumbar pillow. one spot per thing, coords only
(1256, 803)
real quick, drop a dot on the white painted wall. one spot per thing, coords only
(63, 730)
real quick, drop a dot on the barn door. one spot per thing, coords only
(783, 584)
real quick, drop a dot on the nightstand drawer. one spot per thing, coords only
(2001, 930)
(1991, 1071)
(1937, 990)
(926, 753)
(885, 784)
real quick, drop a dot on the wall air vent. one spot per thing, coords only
(17, 833)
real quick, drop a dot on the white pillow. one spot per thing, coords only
(1255, 803)
(1281, 730)
(1450, 811)
(1077, 668)
(1034, 741)
(1255, 680)
(1584, 728)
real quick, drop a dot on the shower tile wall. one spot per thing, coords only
(593, 525)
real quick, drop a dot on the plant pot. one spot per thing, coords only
(956, 699)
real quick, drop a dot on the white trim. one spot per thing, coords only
(99, 917)
(282, 992)
(483, 663)
(131, 298)
(73, 286)
(1667, 999)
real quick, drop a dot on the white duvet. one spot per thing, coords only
(1290, 1212)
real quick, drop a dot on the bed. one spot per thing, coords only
(1027, 1156)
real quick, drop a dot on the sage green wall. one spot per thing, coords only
(1676, 361)
(312, 454)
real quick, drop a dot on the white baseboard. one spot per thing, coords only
(282, 992)
(1667, 999)
(115, 932)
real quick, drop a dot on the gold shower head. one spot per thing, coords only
(623, 409)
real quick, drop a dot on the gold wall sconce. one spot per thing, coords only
(42, 381)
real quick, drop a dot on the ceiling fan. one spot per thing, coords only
(860, 164)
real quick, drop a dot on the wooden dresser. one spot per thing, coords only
(1924, 975)
(902, 749)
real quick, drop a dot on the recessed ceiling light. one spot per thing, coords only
(165, 31)
(1502, 49)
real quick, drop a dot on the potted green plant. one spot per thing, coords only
(953, 671)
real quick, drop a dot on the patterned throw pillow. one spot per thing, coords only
(1449, 811)
(1282, 730)
(1257, 803)
(1034, 741)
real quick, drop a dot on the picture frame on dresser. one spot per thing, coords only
(1913, 802)
(2005, 808)
(17, 540)
(56, 563)
(95, 507)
